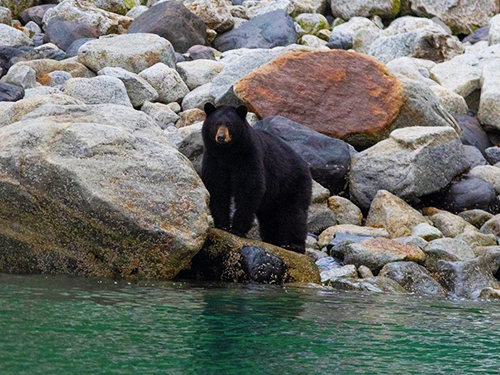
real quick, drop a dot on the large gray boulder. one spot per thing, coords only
(132, 52)
(95, 199)
(415, 37)
(12, 37)
(269, 30)
(365, 8)
(98, 90)
(413, 162)
(166, 81)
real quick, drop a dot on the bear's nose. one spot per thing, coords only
(221, 138)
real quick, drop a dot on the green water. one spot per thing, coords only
(59, 325)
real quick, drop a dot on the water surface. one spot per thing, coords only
(61, 325)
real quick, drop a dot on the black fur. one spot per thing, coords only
(263, 174)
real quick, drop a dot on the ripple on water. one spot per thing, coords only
(67, 325)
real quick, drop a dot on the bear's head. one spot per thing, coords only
(224, 126)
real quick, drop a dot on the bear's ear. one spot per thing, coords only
(209, 109)
(242, 111)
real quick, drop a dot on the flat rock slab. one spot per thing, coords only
(376, 253)
(341, 94)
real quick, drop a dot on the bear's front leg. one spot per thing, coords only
(218, 184)
(248, 192)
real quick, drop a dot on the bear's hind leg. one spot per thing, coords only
(293, 229)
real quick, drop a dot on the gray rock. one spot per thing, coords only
(477, 239)
(474, 156)
(413, 278)
(161, 113)
(364, 272)
(33, 28)
(489, 104)
(338, 245)
(494, 32)
(473, 133)
(98, 90)
(450, 225)
(413, 241)
(377, 284)
(357, 34)
(308, 6)
(122, 197)
(42, 90)
(72, 50)
(258, 8)
(365, 8)
(408, 67)
(198, 97)
(199, 52)
(215, 13)
(5, 16)
(488, 173)
(136, 11)
(132, 52)
(449, 249)
(345, 211)
(191, 145)
(166, 81)
(329, 234)
(58, 78)
(10, 36)
(319, 194)
(20, 75)
(329, 264)
(348, 272)
(198, 72)
(466, 279)
(451, 101)
(492, 226)
(266, 31)
(427, 232)
(461, 74)
(476, 217)
(405, 164)
(319, 218)
(415, 37)
(463, 17)
(492, 155)
(138, 89)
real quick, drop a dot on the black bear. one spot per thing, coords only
(262, 173)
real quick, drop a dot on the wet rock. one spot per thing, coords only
(394, 214)
(64, 33)
(450, 225)
(161, 113)
(413, 278)
(139, 90)
(86, 15)
(328, 158)
(226, 257)
(198, 97)
(98, 182)
(12, 37)
(462, 17)
(465, 194)
(405, 164)
(345, 211)
(375, 285)
(466, 279)
(489, 174)
(328, 235)
(490, 293)
(338, 245)
(198, 72)
(20, 75)
(476, 217)
(132, 52)
(329, 264)
(98, 90)
(449, 249)
(266, 31)
(415, 37)
(363, 8)
(427, 232)
(357, 34)
(376, 253)
(472, 133)
(215, 13)
(277, 89)
(348, 272)
(166, 81)
(174, 22)
(10, 93)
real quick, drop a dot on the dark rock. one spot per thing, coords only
(466, 194)
(179, 58)
(328, 158)
(373, 284)
(493, 155)
(262, 267)
(72, 50)
(478, 35)
(38, 39)
(200, 53)
(338, 245)
(6, 55)
(63, 33)
(174, 22)
(474, 156)
(268, 30)
(341, 40)
(10, 93)
(319, 218)
(35, 14)
(476, 217)
(466, 279)
(412, 277)
(472, 133)
(11, 55)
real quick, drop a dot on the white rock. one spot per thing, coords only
(489, 104)
(136, 11)
(161, 113)
(494, 34)
(198, 97)
(20, 75)
(257, 8)
(138, 89)
(12, 37)
(98, 90)
(488, 173)
(166, 81)
(198, 72)
(363, 32)
(451, 101)
(5, 16)
(215, 13)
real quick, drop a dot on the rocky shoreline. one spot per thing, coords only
(393, 104)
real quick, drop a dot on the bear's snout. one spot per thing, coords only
(222, 135)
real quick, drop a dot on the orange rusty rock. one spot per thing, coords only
(342, 94)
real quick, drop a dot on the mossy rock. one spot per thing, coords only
(312, 23)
